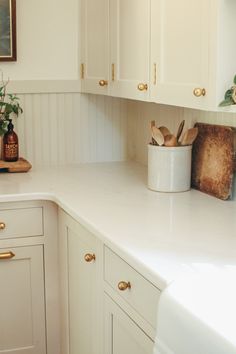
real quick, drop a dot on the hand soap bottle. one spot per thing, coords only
(10, 144)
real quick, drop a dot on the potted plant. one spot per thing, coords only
(9, 106)
(230, 96)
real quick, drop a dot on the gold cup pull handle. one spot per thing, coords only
(89, 257)
(198, 92)
(2, 225)
(6, 255)
(142, 87)
(123, 285)
(103, 83)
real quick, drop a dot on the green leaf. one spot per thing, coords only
(235, 79)
(228, 93)
(227, 102)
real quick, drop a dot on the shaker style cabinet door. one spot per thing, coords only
(130, 48)
(22, 307)
(81, 289)
(122, 335)
(95, 46)
(179, 52)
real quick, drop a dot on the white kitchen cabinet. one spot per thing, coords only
(129, 48)
(29, 303)
(122, 335)
(192, 56)
(81, 288)
(95, 46)
(115, 47)
(22, 304)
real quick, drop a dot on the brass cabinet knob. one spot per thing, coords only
(123, 285)
(142, 87)
(89, 257)
(199, 92)
(2, 225)
(103, 83)
(7, 255)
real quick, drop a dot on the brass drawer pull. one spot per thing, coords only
(89, 257)
(2, 225)
(142, 87)
(199, 92)
(7, 255)
(123, 285)
(103, 83)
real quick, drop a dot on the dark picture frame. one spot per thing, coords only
(7, 30)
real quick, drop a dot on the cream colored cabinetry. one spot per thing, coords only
(81, 288)
(131, 303)
(95, 46)
(115, 47)
(28, 264)
(129, 47)
(22, 305)
(192, 57)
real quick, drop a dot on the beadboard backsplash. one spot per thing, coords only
(58, 129)
(140, 114)
(63, 128)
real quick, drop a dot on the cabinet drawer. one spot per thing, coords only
(142, 295)
(22, 222)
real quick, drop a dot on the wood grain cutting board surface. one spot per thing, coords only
(21, 165)
(213, 160)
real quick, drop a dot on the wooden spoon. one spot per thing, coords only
(157, 136)
(180, 129)
(170, 140)
(189, 136)
(165, 131)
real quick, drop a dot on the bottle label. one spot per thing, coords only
(11, 151)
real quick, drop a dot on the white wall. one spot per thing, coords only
(47, 47)
(57, 129)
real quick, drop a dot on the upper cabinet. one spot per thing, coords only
(179, 52)
(129, 48)
(95, 50)
(165, 51)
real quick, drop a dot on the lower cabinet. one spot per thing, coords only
(81, 288)
(122, 334)
(22, 303)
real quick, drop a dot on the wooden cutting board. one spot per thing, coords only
(21, 165)
(213, 160)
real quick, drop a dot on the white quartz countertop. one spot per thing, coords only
(163, 235)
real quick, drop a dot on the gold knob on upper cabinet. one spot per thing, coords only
(2, 225)
(89, 257)
(103, 83)
(199, 92)
(123, 285)
(142, 87)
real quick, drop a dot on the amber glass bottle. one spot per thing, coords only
(10, 144)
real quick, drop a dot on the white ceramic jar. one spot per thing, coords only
(169, 168)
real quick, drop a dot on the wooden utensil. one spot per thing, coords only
(170, 140)
(189, 136)
(152, 124)
(180, 129)
(165, 131)
(157, 136)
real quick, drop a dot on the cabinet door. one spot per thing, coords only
(179, 52)
(95, 52)
(130, 48)
(22, 324)
(81, 270)
(122, 335)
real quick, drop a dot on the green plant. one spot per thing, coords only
(9, 106)
(230, 96)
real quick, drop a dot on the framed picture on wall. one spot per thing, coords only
(7, 30)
